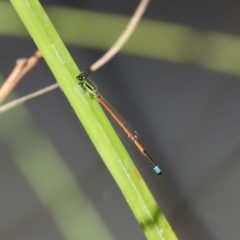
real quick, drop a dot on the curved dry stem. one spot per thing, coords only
(14, 103)
(124, 36)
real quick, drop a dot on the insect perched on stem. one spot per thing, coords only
(92, 90)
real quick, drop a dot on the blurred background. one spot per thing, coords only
(176, 82)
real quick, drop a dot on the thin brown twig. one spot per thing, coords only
(14, 103)
(124, 36)
(99, 63)
(22, 67)
(12, 80)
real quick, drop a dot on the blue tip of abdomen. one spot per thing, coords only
(157, 170)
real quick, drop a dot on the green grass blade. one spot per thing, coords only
(104, 138)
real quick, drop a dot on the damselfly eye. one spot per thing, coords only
(79, 77)
(86, 73)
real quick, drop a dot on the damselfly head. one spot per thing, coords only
(83, 75)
